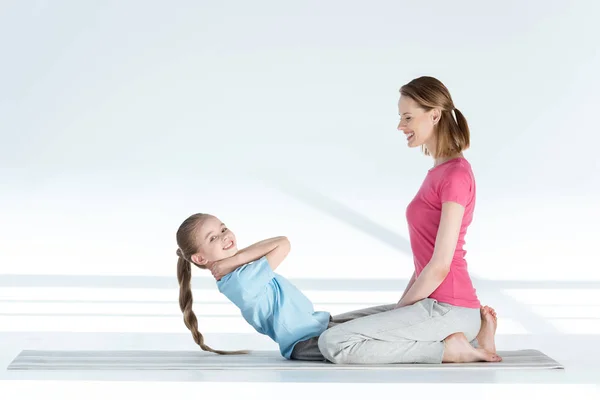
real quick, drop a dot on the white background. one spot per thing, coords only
(120, 119)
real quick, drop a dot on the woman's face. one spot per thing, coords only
(417, 124)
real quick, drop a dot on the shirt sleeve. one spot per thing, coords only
(254, 276)
(457, 186)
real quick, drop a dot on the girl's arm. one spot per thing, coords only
(275, 249)
(438, 267)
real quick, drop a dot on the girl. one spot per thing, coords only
(267, 301)
(439, 316)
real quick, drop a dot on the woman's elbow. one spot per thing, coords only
(442, 268)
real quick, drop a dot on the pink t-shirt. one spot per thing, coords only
(453, 181)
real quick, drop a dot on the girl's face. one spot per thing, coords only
(215, 241)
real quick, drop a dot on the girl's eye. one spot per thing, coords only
(224, 229)
(213, 238)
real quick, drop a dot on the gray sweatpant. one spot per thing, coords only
(308, 350)
(383, 335)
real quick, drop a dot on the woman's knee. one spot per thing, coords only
(339, 346)
(330, 343)
(325, 344)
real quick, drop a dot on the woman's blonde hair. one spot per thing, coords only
(188, 245)
(452, 134)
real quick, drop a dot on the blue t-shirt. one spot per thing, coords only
(273, 305)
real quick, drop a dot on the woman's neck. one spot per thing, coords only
(441, 160)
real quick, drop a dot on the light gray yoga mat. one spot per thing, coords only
(259, 360)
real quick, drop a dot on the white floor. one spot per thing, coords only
(37, 313)
(579, 355)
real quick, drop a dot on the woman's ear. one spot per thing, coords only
(436, 114)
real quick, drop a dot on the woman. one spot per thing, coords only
(439, 315)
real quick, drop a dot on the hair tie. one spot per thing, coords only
(180, 253)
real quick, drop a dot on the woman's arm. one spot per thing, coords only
(438, 267)
(275, 249)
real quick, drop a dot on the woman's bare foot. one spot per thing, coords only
(487, 333)
(458, 350)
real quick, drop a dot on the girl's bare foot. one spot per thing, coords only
(458, 350)
(487, 333)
